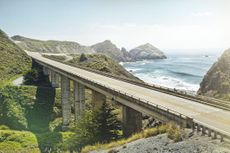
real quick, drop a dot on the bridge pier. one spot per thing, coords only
(45, 71)
(54, 79)
(79, 99)
(132, 121)
(65, 100)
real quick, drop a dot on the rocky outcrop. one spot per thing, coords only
(108, 48)
(50, 46)
(146, 51)
(192, 143)
(216, 82)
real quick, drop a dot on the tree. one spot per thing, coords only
(93, 127)
(86, 132)
(108, 124)
(83, 57)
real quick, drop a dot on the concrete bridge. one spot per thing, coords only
(135, 100)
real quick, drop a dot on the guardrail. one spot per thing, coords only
(197, 98)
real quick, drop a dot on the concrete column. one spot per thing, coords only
(82, 98)
(97, 99)
(132, 121)
(54, 79)
(45, 70)
(79, 99)
(77, 110)
(65, 99)
(209, 132)
(198, 128)
(214, 135)
(221, 138)
(203, 130)
(49, 73)
(57, 80)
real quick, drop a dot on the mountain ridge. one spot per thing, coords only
(106, 47)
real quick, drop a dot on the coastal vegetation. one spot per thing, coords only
(14, 61)
(98, 62)
(173, 131)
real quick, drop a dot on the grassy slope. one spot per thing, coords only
(216, 82)
(50, 46)
(13, 60)
(98, 62)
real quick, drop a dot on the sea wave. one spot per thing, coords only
(170, 82)
(183, 74)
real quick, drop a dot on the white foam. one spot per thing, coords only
(133, 69)
(167, 81)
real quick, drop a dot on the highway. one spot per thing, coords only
(209, 116)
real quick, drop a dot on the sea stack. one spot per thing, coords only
(146, 51)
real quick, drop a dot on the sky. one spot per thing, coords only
(171, 25)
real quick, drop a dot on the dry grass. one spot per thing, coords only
(143, 134)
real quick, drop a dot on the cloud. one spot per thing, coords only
(201, 14)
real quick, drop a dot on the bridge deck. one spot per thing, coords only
(210, 116)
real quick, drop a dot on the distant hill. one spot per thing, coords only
(50, 46)
(106, 47)
(13, 59)
(216, 82)
(111, 50)
(146, 51)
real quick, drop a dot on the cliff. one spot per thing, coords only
(216, 82)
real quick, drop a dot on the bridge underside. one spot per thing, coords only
(131, 110)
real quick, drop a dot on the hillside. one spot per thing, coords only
(146, 51)
(216, 82)
(50, 46)
(106, 47)
(96, 62)
(111, 50)
(14, 61)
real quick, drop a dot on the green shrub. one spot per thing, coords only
(31, 77)
(10, 145)
(14, 115)
(35, 76)
(82, 58)
(174, 132)
(4, 127)
(17, 140)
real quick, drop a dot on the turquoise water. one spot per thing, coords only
(180, 72)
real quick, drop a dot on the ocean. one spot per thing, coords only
(179, 72)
